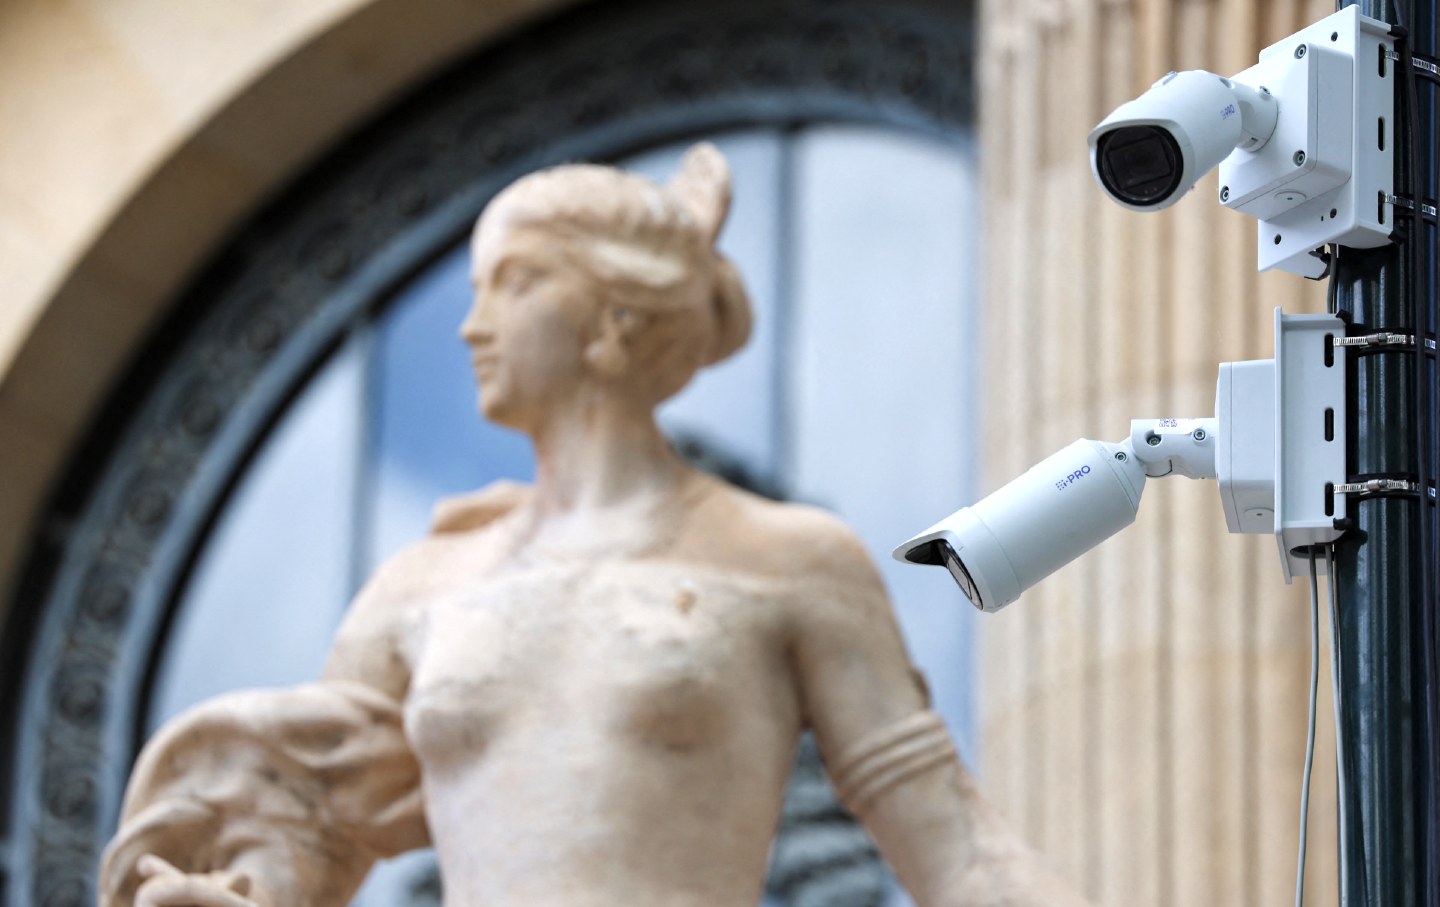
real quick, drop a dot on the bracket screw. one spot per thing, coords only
(1153, 440)
(1299, 158)
(1198, 434)
(1120, 455)
(1224, 193)
(1300, 51)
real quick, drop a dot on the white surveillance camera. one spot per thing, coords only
(1151, 151)
(1059, 509)
(1304, 140)
(1276, 446)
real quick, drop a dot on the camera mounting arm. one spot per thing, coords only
(1181, 447)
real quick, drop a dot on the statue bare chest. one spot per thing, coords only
(653, 653)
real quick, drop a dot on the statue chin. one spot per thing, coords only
(499, 410)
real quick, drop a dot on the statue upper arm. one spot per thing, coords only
(371, 645)
(851, 666)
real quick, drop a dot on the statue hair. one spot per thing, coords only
(650, 247)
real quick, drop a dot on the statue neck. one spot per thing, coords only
(602, 456)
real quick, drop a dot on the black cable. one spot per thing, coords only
(1332, 294)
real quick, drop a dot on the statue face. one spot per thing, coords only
(527, 330)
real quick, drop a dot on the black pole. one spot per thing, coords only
(1385, 565)
(1425, 41)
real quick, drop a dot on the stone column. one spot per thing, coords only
(1143, 711)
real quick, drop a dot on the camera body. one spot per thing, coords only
(1060, 508)
(1150, 151)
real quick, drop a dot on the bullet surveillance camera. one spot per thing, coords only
(1276, 448)
(1151, 151)
(1062, 507)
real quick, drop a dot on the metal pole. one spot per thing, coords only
(1385, 566)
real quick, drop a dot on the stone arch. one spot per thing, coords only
(137, 212)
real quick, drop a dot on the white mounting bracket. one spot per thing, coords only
(1327, 173)
(1175, 447)
(1282, 438)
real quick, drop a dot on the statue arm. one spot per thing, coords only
(299, 790)
(891, 758)
(287, 796)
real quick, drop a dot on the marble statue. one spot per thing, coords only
(587, 691)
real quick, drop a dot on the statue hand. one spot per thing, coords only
(166, 886)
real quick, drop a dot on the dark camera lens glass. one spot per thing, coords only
(960, 574)
(1140, 165)
(940, 552)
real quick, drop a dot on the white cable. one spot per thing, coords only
(1310, 732)
(1339, 751)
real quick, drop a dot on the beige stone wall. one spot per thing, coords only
(1144, 710)
(136, 133)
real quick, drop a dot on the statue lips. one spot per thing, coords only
(482, 364)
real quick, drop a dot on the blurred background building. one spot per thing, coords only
(231, 271)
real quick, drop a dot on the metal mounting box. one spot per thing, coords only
(1327, 173)
(1281, 449)
(1309, 435)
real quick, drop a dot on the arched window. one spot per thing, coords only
(308, 401)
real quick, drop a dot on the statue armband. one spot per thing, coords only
(889, 757)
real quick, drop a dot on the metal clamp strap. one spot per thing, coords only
(1378, 339)
(1377, 486)
(1408, 204)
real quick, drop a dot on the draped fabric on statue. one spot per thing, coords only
(313, 782)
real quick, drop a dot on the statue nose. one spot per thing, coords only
(475, 330)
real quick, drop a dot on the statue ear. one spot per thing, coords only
(608, 352)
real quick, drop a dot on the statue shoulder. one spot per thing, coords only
(442, 557)
(797, 541)
(473, 510)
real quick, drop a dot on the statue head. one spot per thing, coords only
(593, 274)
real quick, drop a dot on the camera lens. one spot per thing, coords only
(1139, 165)
(939, 552)
(960, 574)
